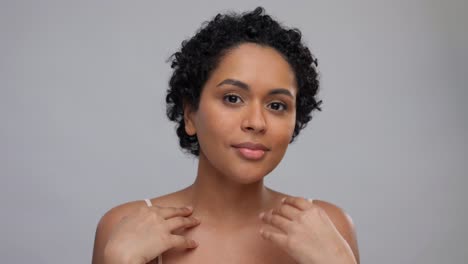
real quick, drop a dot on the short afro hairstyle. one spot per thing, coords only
(200, 55)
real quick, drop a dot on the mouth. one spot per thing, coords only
(251, 151)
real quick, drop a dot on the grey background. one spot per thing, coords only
(83, 126)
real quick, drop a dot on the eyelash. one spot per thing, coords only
(284, 106)
(231, 96)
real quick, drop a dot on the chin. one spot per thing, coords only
(248, 176)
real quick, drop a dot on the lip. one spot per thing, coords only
(251, 151)
(251, 146)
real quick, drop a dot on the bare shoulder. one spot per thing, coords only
(343, 223)
(340, 219)
(113, 216)
(107, 223)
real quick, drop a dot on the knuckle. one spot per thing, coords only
(282, 210)
(314, 211)
(166, 239)
(177, 211)
(268, 217)
(275, 219)
(303, 217)
(153, 213)
(184, 210)
(153, 216)
(150, 209)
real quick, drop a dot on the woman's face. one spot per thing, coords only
(246, 114)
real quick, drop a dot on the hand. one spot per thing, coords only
(306, 233)
(144, 235)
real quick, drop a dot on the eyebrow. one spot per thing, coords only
(245, 86)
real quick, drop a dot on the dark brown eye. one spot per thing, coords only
(232, 98)
(277, 106)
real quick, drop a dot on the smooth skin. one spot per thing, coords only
(249, 97)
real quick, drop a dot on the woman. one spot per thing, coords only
(242, 89)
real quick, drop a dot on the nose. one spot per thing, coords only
(254, 119)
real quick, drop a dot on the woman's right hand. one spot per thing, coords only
(141, 237)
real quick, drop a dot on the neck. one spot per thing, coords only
(216, 196)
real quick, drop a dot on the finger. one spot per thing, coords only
(276, 237)
(170, 212)
(298, 202)
(277, 221)
(182, 222)
(288, 211)
(182, 242)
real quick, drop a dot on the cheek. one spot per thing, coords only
(215, 124)
(284, 130)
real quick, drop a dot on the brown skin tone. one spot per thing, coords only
(255, 104)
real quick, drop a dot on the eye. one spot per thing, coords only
(277, 106)
(232, 98)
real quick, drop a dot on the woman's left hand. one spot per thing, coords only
(306, 233)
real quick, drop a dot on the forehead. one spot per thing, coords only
(256, 65)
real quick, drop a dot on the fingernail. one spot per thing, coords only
(189, 207)
(261, 215)
(284, 199)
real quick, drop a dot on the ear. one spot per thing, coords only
(189, 123)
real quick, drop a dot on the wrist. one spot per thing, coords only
(112, 256)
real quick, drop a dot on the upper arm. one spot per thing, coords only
(104, 228)
(343, 223)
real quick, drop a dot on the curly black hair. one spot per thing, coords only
(200, 55)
